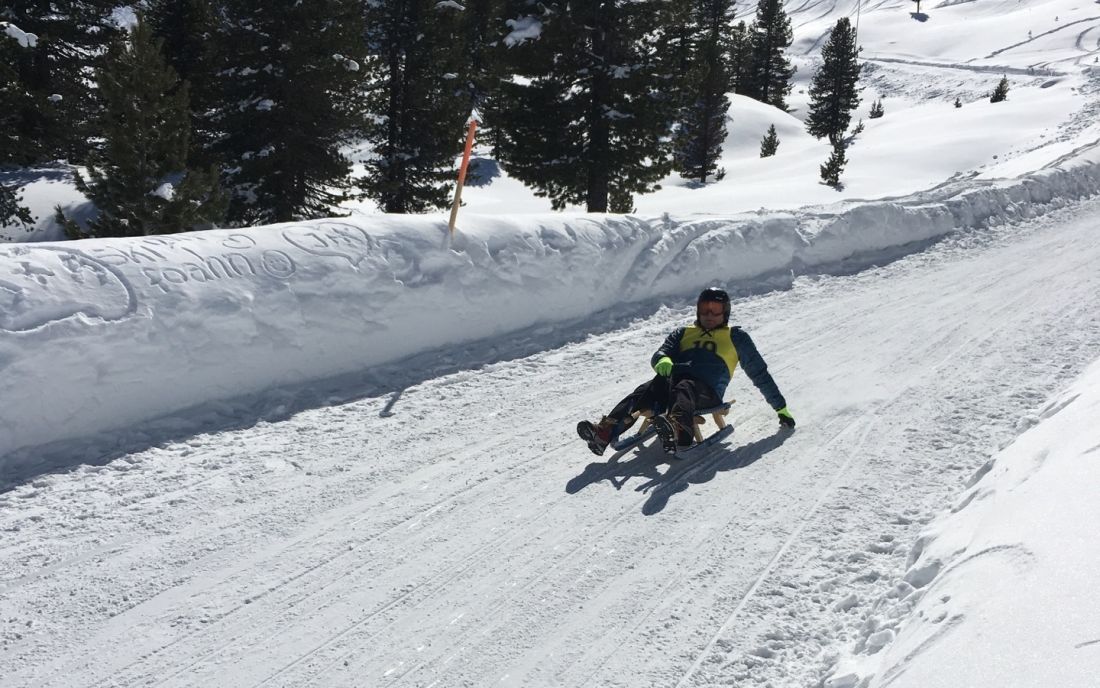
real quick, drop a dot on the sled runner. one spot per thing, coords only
(647, 431)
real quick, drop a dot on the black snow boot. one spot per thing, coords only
(673, 436)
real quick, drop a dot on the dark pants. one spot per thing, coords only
(683, 395)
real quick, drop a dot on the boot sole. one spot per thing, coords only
(666, 434)
(587, 432)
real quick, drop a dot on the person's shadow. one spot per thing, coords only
(644, 463)
(662, 485)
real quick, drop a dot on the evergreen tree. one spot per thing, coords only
(12, 214)
(481, 29)
(416, 95)
(189, 29)
(677, 51)
(14, 151)
(769, 79)
(587, 120)
(698, 141)
(834, 166)
(876, 109)
(856, 131)
(740, 60)
(139, 182)
(834, 92)
(56, 71)
(290, 99)
(770, 143)
(1001, 92)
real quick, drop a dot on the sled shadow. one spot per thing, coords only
(665, 477)
(644, 462)
(673, 482)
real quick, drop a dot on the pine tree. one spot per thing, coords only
(1001, 92)
(139, 182)
(14, 151)
(698, 142)
(419, 105)
(55, 72)
(480, 27)
(290, 100)
(769, 80)
(876, 109)
(189, 29)
(587, 121)
(677, 51)
(740, 59)
(834, 92)
(770, 143)
(834, 166)
(12, 214)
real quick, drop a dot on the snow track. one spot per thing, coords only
(457, 534)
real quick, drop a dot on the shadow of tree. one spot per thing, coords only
(482, 172)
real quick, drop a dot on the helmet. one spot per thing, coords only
(716, 295)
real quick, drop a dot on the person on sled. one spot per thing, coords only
(704, 356)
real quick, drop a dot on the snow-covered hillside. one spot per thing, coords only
(342, 453)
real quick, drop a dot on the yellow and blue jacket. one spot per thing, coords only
(713, 355)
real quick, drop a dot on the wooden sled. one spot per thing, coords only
(646, 430)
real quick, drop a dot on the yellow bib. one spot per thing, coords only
(716, 341)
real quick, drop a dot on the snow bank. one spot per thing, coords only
(98, 335)
(1001, 591)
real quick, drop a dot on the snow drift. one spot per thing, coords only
(1006, 574)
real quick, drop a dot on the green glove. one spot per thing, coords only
(785, 418)
(663, 366)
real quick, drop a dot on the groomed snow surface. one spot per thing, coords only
(341, 452)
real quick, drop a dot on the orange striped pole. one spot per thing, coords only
(462, 173)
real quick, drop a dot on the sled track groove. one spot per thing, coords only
(853, 427)
(676, 582)
(518, 531)
(240, 623)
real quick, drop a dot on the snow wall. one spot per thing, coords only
(99, 335)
